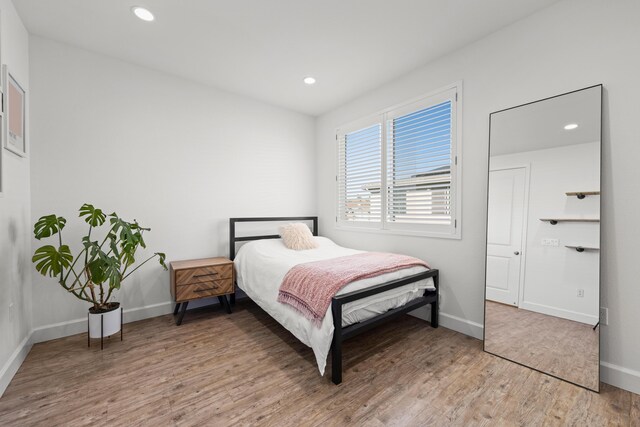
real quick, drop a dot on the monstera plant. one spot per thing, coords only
(107, 258)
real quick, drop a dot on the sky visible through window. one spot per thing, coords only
(421, 142)
(363, 150)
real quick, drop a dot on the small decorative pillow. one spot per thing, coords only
(297, 236)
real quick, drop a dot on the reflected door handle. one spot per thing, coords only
(516, 253)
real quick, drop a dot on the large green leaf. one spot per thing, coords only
(104, 269)
(127, 255)
(97, 271)
(92, 216)
(112, 270)
(88, 243)
(51, 261)
(161, 258)
(130, 238)
(114, 247)
(125, 230)
(115, 278)
(48, 225)
(92, 247)
(115, 221)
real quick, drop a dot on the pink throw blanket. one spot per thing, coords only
(309, 287)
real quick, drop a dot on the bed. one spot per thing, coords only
(263, 260)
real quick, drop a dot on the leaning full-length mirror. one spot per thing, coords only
(542, 293)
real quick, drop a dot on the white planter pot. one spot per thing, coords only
(105, 324)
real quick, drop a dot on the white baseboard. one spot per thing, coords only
(452, 322)
(464, 326)
(561, 313)
(620, 377)
(148, 311)
(77, 326)
(13, 364)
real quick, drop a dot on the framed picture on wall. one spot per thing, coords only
(14, 106)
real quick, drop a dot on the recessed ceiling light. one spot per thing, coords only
(143, 13)
(309, 80)
(571, 126)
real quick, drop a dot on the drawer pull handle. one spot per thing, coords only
(205, 290)
(204, 275)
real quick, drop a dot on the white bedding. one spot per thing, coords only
(262, 264)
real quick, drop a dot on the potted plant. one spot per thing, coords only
(99, 268)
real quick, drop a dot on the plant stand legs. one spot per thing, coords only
(101, 333)
(102, 330)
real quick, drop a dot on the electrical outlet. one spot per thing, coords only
(604, 316)
(581, 293)
(550, 242)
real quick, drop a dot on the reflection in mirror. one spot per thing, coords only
(543, 236)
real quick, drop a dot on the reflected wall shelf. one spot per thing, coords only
(582, 248)
(582, 194)
(554, 221)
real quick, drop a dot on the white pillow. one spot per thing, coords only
(297, 236)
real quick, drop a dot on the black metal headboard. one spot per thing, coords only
(232, 229)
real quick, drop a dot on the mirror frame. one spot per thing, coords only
(484, 302)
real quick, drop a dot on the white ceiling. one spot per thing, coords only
(540, 125)
(264, 48)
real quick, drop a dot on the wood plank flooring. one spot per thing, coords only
(561, 347)
(245, 369)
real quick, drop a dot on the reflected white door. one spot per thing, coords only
(504, 234)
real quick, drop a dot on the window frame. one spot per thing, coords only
(453, 92)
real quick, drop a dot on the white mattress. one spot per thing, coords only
(262, 264)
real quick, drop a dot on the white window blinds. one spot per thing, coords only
(398, 171)
(419, 164)
(360, 174)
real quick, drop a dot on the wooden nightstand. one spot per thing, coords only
(201, 278)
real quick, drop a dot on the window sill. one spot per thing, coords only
(431, 234)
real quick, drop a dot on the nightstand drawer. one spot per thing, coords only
(204, 274)
(204, 289)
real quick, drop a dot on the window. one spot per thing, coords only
(360, 163)
(398, 170)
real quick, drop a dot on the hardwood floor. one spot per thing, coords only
(561, 347)
(245, 369)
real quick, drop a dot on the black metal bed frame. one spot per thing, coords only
(343, 333)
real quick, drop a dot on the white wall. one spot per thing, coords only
(15, 228)
(177, 156)
(553, 274)
(573, 44)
